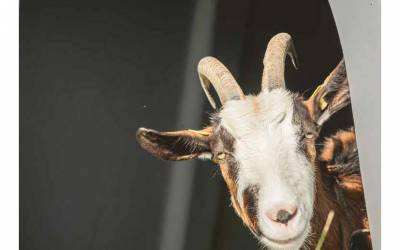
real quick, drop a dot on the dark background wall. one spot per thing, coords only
(92, 72)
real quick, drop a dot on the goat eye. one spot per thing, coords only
(221, 156)
(309, 135)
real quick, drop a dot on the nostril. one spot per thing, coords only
(283, 216)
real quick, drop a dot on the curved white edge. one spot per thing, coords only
(359, 28)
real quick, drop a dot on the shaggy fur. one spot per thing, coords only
(339, 166)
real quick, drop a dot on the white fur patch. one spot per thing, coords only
(268, 156)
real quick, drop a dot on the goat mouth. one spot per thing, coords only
(287, 241)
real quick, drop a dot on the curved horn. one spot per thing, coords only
(274, 61)
(213, 71)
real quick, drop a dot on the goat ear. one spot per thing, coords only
(331, 96)
(177, 145)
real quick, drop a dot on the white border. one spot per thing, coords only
(390, 124)
(9, 124)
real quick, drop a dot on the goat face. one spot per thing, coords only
(262, 156)
(263, 144)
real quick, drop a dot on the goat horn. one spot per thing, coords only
(213, 71)
(274, 61)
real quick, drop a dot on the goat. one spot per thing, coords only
(265, 146)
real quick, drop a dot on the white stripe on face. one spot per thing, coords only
(268, 156)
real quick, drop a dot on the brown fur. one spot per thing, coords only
(250, 198)
(349, 217)
(339, 191)
(338, 184)
(336, 189)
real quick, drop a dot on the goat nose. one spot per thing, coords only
(282, 214)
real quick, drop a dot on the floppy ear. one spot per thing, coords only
(331, 96)
(177, 145)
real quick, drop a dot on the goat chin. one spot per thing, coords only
(290, 243)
